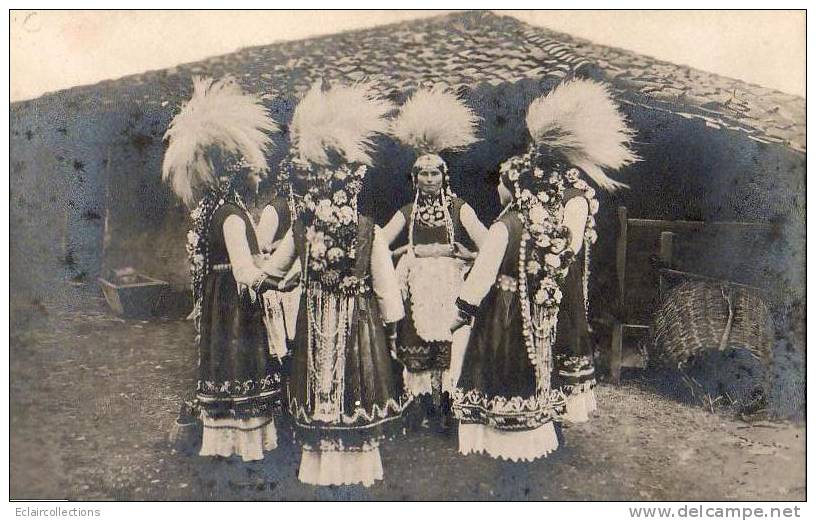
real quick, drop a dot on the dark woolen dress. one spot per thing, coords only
(574, 368)
(573, 352)
(500, 410)
(239, 383)
(345, 391)
(372, 392)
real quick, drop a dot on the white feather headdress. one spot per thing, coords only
(344, 119)
(434, 120)
(580, 120)
(220, 115)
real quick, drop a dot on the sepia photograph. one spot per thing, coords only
(403, 255)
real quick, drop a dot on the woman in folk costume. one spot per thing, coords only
(343, 390)
(508, 398)
(442, 231)
(215, 156)
(281, 308)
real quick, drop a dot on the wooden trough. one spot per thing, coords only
(133, 295)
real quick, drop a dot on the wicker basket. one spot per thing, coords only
(711, 343)
(698, 316)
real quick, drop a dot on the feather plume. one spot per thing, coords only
(580, 120)
(218, 114)
(344, 119)
(434, 120)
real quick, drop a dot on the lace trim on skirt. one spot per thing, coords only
(579, 406)
(247, 438)
(337, 467)
(508, 445)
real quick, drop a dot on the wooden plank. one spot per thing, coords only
(623, 223)
(696, 225)
(695, 276)
(666, 253)
(666, 248)
(616, 348)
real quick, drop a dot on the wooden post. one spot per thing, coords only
(621, 253)
(666, 248)
(616, 354)
(666, 252)
(616, 357)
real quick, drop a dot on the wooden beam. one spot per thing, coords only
(666, 248)
(695, 225)
(620, 263)
(616, 348)
(695, 276)
(616, 353)
(666, 253)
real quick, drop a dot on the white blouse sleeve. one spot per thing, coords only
(240, 256)
(392, 230)
(384, 282)
(473, 226)
(486, 267)
(267, 227)
(575, 217)
(283, 259)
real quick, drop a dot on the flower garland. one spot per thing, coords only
(544, 254)
(329, 210)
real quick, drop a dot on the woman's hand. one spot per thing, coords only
(461, 320)
(461, 252)
(268, 283)
(391, 338)
(399, 252)
(286, 364)
(290, 283)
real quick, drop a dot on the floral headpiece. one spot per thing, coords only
(332, 132)
(545, 252)
(217, 116)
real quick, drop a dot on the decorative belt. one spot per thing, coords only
(507, 283)
(222, 267)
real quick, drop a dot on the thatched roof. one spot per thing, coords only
(468, 49)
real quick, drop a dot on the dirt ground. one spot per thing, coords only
(93, 398)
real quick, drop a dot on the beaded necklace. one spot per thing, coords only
(430, 211)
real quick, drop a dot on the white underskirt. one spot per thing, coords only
(580, 406)
(508, 445)
(325, 468)
(421, 382)
(248, 438)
